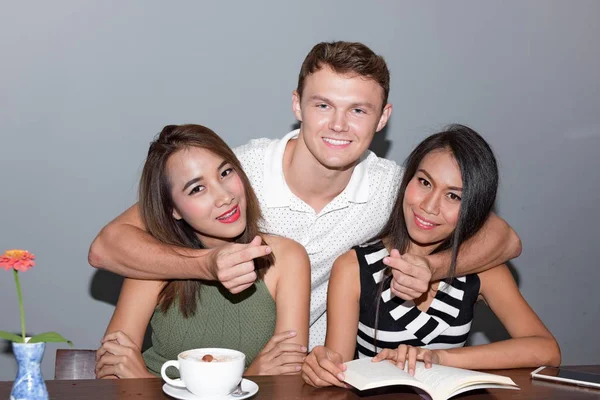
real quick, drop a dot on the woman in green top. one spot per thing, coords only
(193, 193)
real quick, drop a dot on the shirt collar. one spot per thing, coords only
(357, 190)
(278, 194)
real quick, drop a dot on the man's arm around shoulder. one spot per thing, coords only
(494, 244)
(125, 248)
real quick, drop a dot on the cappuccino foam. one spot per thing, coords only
(209, 357)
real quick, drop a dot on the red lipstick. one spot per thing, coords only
(230, 216)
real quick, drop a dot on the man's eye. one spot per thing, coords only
(322, 106)
(359, 111)
(197, 189)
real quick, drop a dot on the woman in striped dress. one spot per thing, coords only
(447, 192)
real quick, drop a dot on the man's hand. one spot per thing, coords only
(278, 358)
(323, 367)
(233, 264)
(411, 274)
(119, 357)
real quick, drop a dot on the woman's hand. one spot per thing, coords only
(120, 357)
(323, 367)
(278, 358)
(411, 354)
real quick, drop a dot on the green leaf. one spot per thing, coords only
(50, 337)
(11, 336)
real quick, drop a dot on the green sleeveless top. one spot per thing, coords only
(243, 321)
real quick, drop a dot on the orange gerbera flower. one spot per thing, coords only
(19, 260)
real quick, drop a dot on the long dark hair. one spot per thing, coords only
(156, 206)
(479, 173)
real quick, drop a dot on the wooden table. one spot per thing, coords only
(292, 387)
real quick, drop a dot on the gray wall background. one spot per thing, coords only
(84, 87)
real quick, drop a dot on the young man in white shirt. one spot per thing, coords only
(319, 185)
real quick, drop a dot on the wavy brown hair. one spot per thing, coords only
(346, 58)
(156, 206)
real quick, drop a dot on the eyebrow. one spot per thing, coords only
(353, 105)
(433, 180)
(199, 178)
(319, 98)
(191, 182)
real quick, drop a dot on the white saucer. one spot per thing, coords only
(184, 394)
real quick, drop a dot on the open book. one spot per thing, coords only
(439, 382)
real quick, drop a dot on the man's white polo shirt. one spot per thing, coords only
(355, 216)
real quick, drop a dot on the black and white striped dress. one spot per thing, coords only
(446, 324)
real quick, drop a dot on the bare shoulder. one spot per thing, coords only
(499, 272)
(288, 253)
(138, 292)
(496, 279)
(284, 247)
(347, 258)
(346, 267)
(345, 277)
(291, 271)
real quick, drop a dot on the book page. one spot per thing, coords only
(439, 382)
(482, 386)
(448, 380)
(365, 374)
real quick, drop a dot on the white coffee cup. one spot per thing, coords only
(216, 378)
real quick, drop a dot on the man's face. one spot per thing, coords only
(340, 115)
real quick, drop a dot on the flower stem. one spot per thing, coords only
(20, 295)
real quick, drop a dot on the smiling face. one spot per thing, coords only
(431, 201)
(340, 115)
(208, 194)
